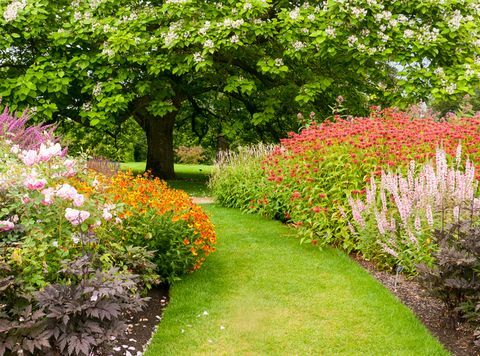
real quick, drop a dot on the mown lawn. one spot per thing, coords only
(263, 293)
(190, 177)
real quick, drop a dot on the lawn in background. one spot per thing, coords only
(192, 178)
(263, 293)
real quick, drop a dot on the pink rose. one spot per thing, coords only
(33, 183)
(49, 196)
(75, 216)
(78, 200)
(6, 225)
(45, 153)
(30, 157)
(66, 191)
(69, 163)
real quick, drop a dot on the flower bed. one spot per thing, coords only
(309, 178)
(78, 248)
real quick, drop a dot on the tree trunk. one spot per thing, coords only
(222, 145)
(159, 131)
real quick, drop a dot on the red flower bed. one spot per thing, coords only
(309, 178)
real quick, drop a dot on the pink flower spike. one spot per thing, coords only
(6, 225)
(76, 217)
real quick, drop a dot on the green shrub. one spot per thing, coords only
(190, 155)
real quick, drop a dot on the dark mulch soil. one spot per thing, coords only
(142, 325)
(458, 339)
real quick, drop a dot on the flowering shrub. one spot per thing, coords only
(190, 155)
(163, 219)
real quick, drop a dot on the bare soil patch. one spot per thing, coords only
(142, 325)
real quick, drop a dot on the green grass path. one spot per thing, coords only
(266, 294)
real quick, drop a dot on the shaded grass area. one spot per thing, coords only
(263, 293)
(192, 178)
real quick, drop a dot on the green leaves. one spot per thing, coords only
(240, 84)
(161, 108)
(251, 51)
(309, 91)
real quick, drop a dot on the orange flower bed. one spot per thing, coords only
(141, 194)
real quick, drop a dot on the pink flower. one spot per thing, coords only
(15, 149)
(75, 216)
(30, 157)
(45, 153)
(107, 215)
(66, 191)
(6, 225)
(69, 163)
(33, 183)
(78, 200)
(49, 196)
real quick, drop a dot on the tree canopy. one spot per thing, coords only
(226, 63)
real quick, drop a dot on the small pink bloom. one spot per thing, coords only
(49, 196)
(69, 173)
(107, 215)
(78, 200)
(66, 191)
(45, 153)
(30, 157)
(15, 149)
(6, 225)
(75, 216)
(26, 199)
(33, 183)
(69, 163)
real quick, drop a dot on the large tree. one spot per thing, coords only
(100, 62)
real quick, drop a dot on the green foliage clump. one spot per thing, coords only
(191, 155)
(236, 180)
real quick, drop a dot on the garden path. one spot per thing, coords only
(263, 293)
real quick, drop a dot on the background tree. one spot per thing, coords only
(229, 63)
